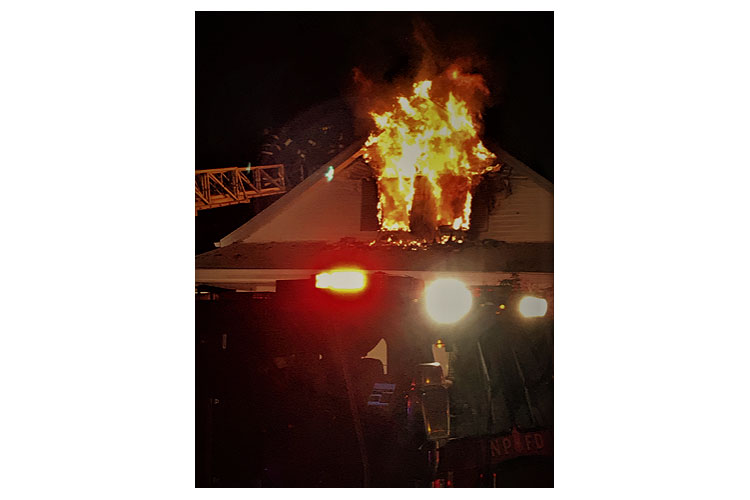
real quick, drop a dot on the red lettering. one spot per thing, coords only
(528, 438)
(506, 444)
(539, 441)
(517, 443)
(495, 448)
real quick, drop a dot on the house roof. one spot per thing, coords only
(468, 256)
(257, 266)
(240, 263)
(520, 168)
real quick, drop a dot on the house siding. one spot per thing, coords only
(331, 211)
(317, 210)
(328, 211)
(524, 216)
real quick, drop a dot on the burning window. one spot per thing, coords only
(427, 155)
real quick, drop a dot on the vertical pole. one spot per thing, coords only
(355, 412)
(525, 389)
(488, 388)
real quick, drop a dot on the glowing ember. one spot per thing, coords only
(427, 155)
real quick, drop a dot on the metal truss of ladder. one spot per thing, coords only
(220, 187)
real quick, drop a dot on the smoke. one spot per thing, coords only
(452, 67)
(424, 136)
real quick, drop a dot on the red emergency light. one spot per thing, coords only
(342, 280)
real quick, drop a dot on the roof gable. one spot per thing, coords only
(278, 213)
(322, 210)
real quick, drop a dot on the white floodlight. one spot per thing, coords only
(447, 300)
(532, 307)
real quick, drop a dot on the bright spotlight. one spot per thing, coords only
(343, 280)
(533, 307)
(447, 300)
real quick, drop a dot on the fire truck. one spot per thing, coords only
(287, 395)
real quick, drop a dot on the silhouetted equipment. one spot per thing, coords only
(288, 397)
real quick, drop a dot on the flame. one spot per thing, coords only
(427, 146)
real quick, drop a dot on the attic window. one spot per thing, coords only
(369, 208)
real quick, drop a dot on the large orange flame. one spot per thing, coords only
(427, 155)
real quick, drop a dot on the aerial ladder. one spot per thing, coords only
(220, 187)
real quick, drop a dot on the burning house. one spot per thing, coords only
(322, 221)
(421, 200)
(422, 179)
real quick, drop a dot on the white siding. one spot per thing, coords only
(327, 211)
(317, 210)
(331, 211)
(524, 216)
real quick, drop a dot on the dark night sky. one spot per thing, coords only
(262, 69)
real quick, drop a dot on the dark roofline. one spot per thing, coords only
(519, 167)
(466, 257)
